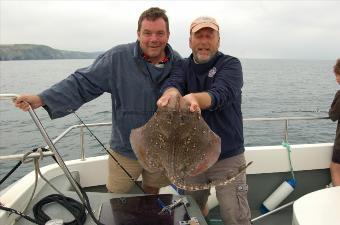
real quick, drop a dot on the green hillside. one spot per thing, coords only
(35, 52)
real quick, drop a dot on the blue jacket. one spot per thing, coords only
(133, 83)
(222, 78)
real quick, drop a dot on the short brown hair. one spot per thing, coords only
(337, 67)
(153, 14)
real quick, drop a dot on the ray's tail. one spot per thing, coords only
(180, 182)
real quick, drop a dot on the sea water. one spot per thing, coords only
(272, 88)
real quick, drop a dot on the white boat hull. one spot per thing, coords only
(93, 171)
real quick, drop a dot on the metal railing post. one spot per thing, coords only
(82, 150)
(286, 130)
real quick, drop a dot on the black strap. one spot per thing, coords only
(19, 164)
(20, 214)
(10, 172)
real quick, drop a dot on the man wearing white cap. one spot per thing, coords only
(211, 82)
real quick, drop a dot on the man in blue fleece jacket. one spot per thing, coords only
(133, 73)
(211, 82)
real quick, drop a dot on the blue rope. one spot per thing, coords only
(287, 146)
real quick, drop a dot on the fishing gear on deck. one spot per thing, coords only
(160, 202)
(282, 192)
(20, 214)
(78, 189)
(74, 207)
(19, 164)
(126, 172)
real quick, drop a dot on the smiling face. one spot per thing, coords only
(153, 37)
(204, 44)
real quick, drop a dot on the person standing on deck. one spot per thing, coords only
(334, 114)
(211, 82)
(133, 73)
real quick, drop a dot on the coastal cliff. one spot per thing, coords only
(36, 52)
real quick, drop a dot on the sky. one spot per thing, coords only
(248, 29)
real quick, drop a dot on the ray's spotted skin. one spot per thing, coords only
(179, 142)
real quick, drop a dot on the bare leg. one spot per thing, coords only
(335, 173)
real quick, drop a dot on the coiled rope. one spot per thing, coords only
(76, 208)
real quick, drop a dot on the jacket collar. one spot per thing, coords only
(203, 68)
(142, 64)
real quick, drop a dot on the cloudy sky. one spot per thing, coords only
(249, 29)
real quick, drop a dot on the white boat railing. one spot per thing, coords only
(286, 119)
(82, 133)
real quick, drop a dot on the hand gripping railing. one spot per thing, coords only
(50, 145)
(54, 141)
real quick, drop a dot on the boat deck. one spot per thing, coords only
(98, 196)
(260, 186)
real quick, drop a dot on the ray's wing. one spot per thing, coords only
(151, 142)
(140, 139)
(200, 147)
(176, 140)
